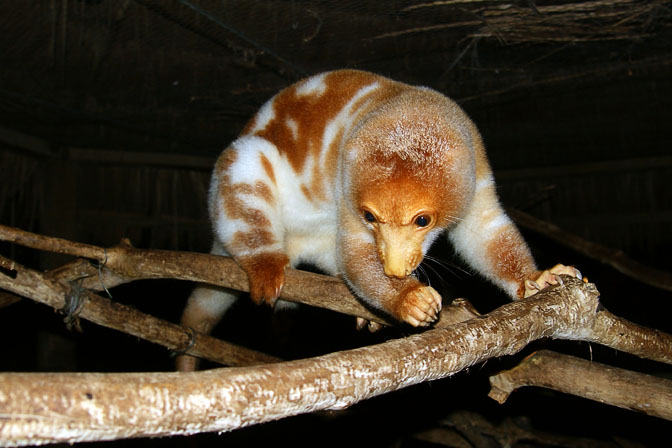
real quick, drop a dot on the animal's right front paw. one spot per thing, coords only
(549, 277)
(420, 306)
(266, 276)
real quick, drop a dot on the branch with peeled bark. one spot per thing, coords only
(630, 390)
(47, 408)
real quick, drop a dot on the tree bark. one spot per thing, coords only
(630, 390)
(47, 408)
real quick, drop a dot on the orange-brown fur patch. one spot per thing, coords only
(268, 168)
(224, 162)
(312, 113)
(306, 192)
(252, 239)
(237, 208)
(508, 249)
(402, 195)
(266, 275)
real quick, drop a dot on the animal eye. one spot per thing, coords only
(369, 216)
(422, 221)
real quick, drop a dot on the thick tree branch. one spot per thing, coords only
(630, 390)
(47, 408)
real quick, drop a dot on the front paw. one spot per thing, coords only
(266, 276)
(420, 306)
(549, 277)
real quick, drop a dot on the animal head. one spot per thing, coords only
(404, 218)
(410, 176)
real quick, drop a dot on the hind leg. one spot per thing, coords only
(205, 308)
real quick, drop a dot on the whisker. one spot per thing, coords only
(419, 269)
(450, 267)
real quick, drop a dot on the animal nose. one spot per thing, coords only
(396, 271)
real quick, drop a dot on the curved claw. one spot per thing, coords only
(266, 276)
(420, 307)
(550, 277)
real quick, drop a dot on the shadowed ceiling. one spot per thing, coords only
(184, 76)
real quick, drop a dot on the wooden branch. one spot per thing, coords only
(322, 291)
(621, 334)
(630, 390)
(611, 257)
(87, 305)
(136, 264)
(48, 408)
(129, 263)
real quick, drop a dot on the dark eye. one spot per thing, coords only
(369, 217)
(422, 221)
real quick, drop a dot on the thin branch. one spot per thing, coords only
(82, 303)
(53, 287)
(129, 263)
(51, 244)
(630, 390)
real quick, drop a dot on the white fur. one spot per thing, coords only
(246, 169)
(293, 127)
(470, 238)
(264, 116)
(312, 86)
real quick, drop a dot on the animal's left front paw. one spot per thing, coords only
(549, 277)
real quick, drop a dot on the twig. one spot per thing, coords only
(630, 390)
